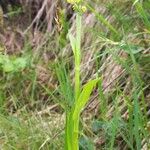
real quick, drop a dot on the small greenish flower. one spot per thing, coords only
(78, 5)
(73, 1)
(84, 9)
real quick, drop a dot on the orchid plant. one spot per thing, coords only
(82, 94)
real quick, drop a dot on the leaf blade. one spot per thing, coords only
(83, 98)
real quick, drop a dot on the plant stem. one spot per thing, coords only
(77, 79)
(72, 125)
(77, 55)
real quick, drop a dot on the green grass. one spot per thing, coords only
(45, 90)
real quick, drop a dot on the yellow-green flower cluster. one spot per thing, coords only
(77, 5)
(73, 1)
(83, 8)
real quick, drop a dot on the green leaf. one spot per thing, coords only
(20, 63)
(134, 49)
(8, 66)
(83, 98)
(72, 42)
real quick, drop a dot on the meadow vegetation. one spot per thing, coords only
(75, 75)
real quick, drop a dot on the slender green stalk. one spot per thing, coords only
(77, 54)
(81, 97)
(73, 124)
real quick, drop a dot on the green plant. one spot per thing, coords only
(116, 48)
(142, 13)
(81, 95)
(10, 64)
